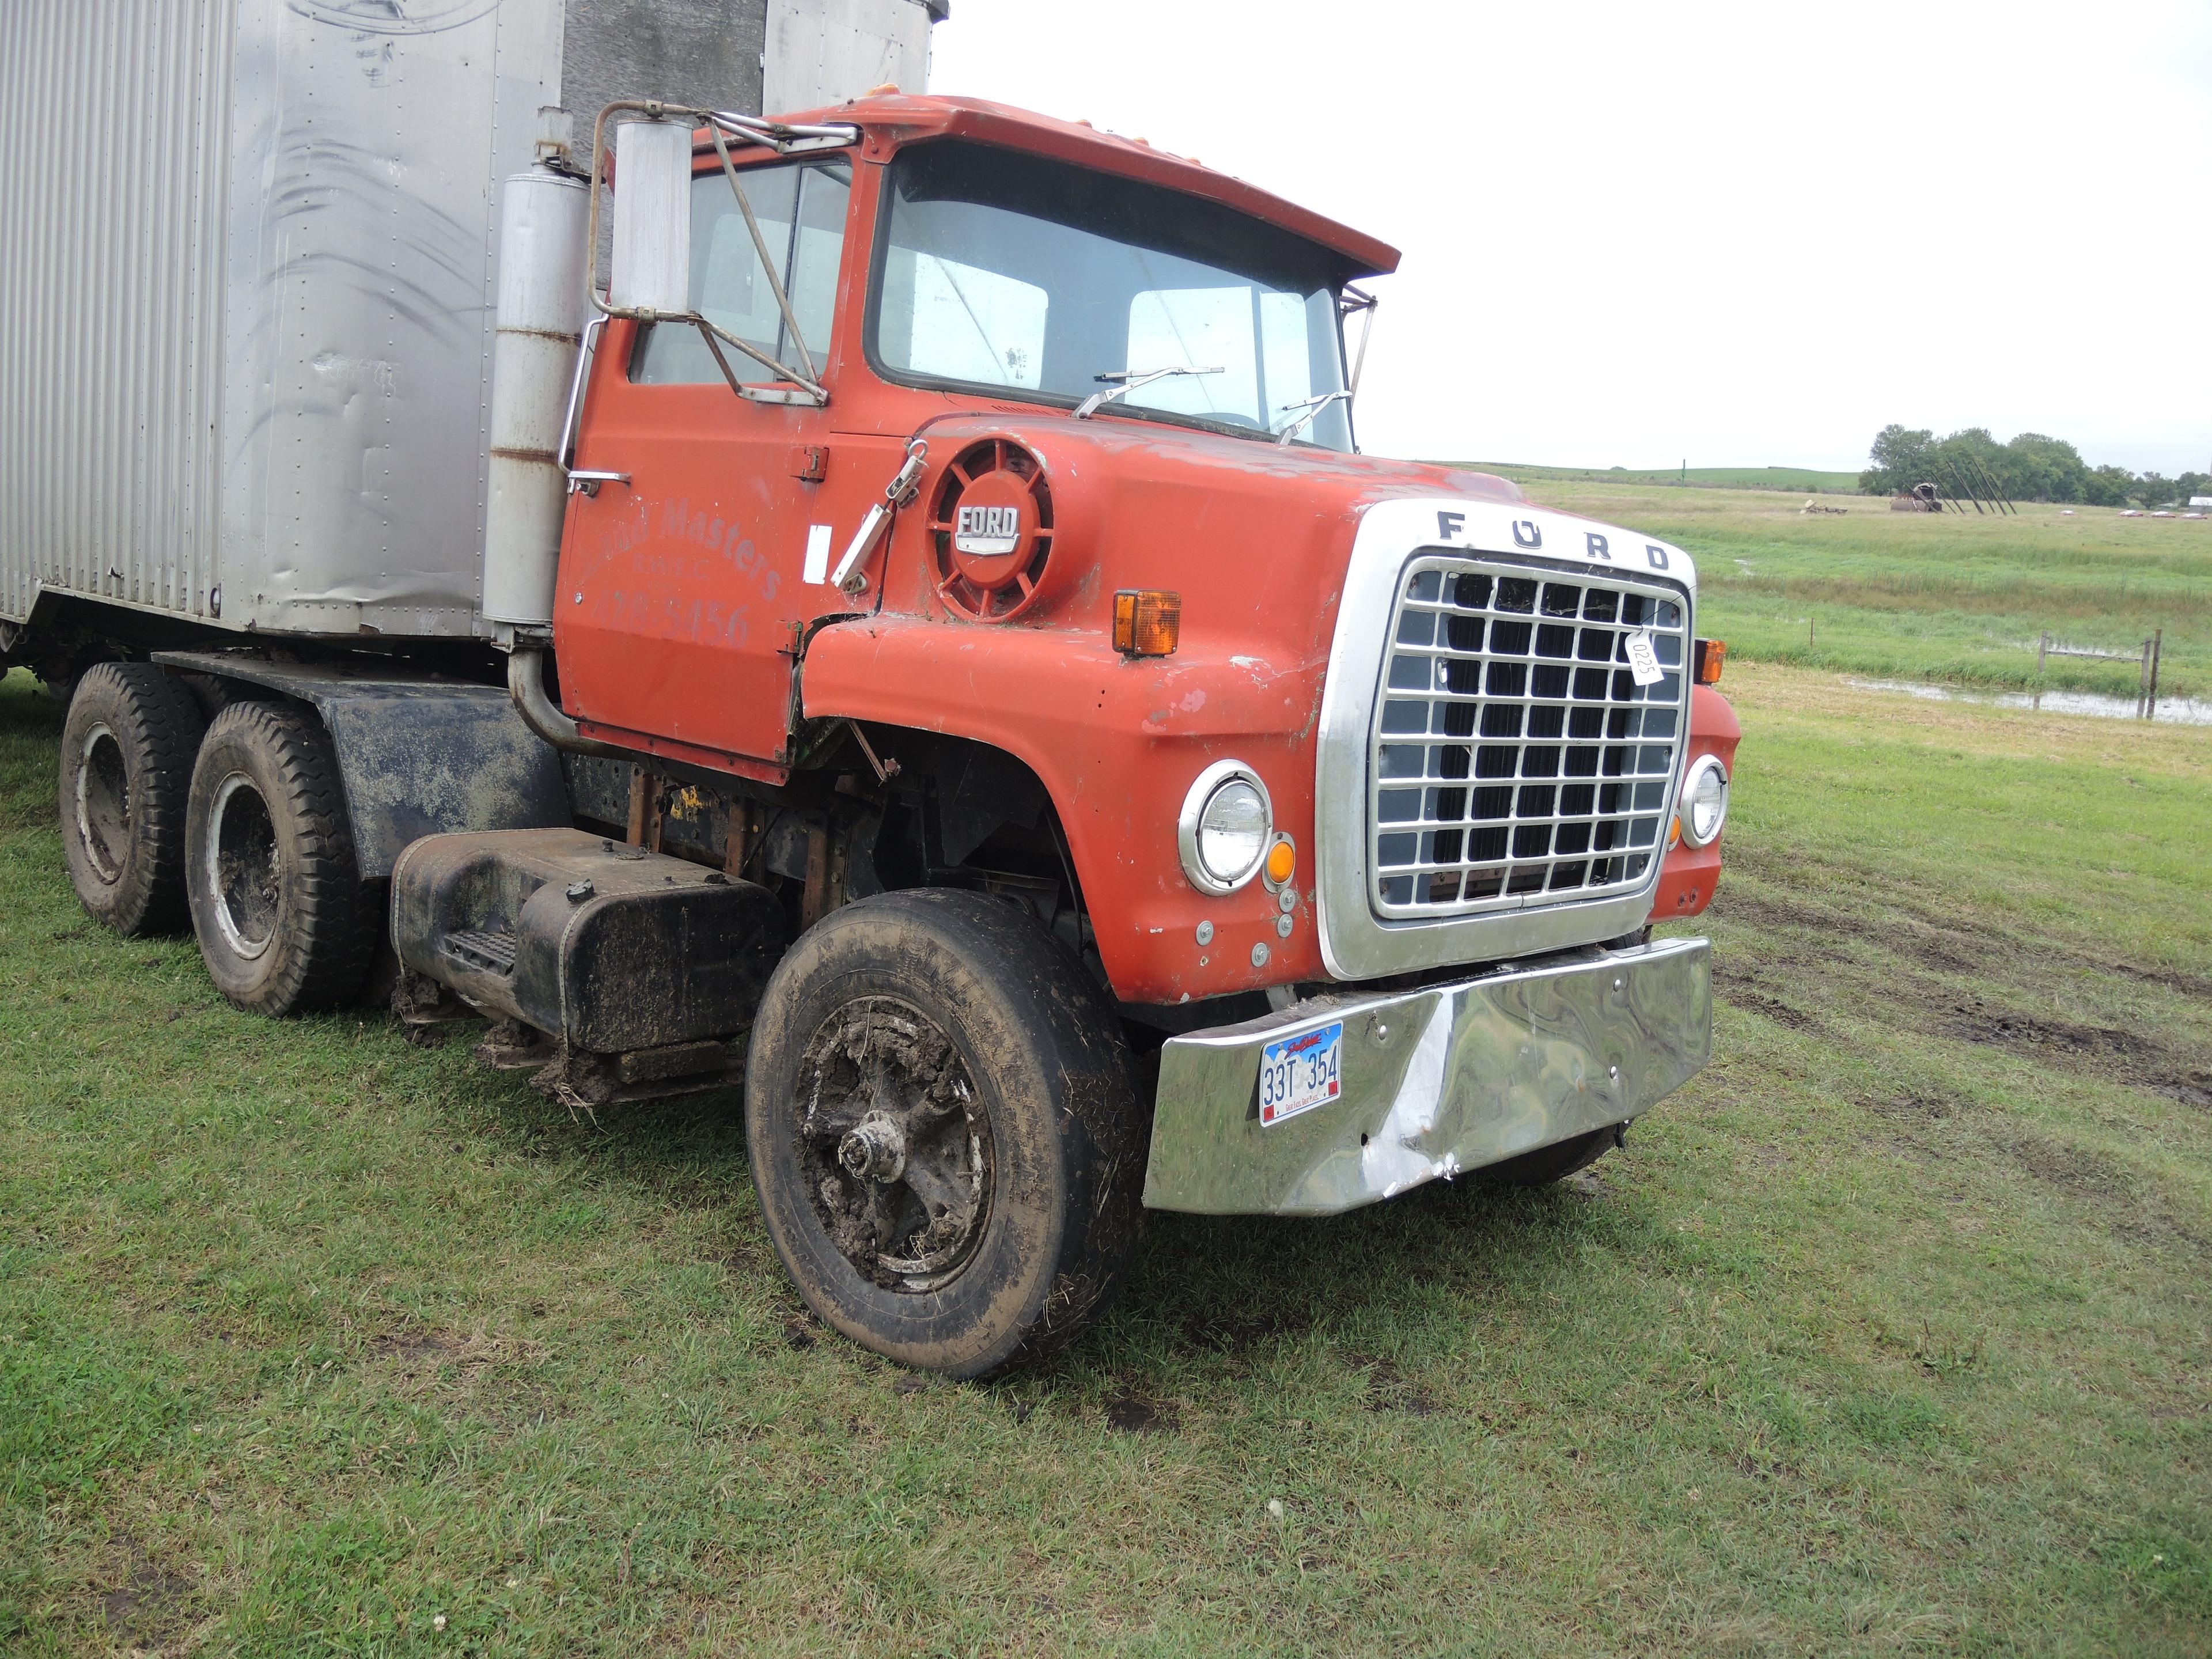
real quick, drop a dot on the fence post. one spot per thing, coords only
(2042, 645)
(2157, 644)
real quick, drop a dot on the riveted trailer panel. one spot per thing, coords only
(249, 266)
(112, 228)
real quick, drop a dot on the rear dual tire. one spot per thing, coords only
(283, 923)
(126, 768)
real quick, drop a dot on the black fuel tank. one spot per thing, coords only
(610, 947)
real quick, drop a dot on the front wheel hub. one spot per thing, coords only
(874, 1149)
(895, 1144)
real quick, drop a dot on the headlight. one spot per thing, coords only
(1704, 801)
(1226, 824)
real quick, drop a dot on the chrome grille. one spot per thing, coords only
(1515, 761)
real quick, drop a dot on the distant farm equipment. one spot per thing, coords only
(1964, 482)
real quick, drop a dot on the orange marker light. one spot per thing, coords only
(1282, 862)
(1146, 624)
(1711, 655)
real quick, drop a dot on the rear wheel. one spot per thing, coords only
(126, 765)
(943, 1133)
(284, 926)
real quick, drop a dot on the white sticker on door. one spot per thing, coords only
(1643, 657)
(818, 553)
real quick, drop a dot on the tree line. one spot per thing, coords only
(2031, 468)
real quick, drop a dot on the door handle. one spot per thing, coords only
(587, 483)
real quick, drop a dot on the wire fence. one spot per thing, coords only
(2146, 685)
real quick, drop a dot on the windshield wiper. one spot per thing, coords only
(1313, 407)
(1127, 381)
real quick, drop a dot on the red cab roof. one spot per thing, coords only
(902, 118)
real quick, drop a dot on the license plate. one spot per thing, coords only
(1301, 1073)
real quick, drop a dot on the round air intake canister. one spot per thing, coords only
(990, 524)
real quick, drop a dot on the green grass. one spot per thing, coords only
(1704, 478)
(1937, 596)
(1888, 1333)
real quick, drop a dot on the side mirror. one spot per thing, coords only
(652, 250)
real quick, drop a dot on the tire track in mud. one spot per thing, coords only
(1927, 999)
(1944, 943)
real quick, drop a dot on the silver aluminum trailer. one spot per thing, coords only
(251, 279)
(248, 261)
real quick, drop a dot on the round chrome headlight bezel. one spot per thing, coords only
(1190, 828)
(1705, 768)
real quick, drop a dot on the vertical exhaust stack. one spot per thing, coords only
(542, 230)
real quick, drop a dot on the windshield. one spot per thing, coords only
(1008, 272)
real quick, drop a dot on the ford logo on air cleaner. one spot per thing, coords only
(987, 529)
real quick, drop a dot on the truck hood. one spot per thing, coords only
(1256, 538)
(1288, 564)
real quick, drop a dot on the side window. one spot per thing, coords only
(942, 317)
(801, 213)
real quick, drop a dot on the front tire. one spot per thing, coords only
(126, 765)
(1557, 1161)
(943, 1133)
(284, 924)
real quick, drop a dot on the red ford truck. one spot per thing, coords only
(943, 665)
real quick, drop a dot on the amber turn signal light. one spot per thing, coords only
(1145, 623)
(1711, 655)
(1282, 862)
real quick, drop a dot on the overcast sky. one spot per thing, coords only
(1735, 234)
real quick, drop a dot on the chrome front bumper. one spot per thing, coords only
(1435, 1082)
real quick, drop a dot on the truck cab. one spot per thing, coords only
(969, 279)
(982, 489)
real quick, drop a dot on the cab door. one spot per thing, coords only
(683, 590)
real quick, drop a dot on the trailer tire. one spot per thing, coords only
(943, 1133)
(283, 922)
(126, 766)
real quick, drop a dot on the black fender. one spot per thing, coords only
(416, 756)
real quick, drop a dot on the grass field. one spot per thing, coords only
(1702, 477)
(1936, 597)
(1889, 1332)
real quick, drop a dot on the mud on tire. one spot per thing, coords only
(126, 765)
(283, 922)
(943, 1133)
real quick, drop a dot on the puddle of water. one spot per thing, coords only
(2172, 711)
